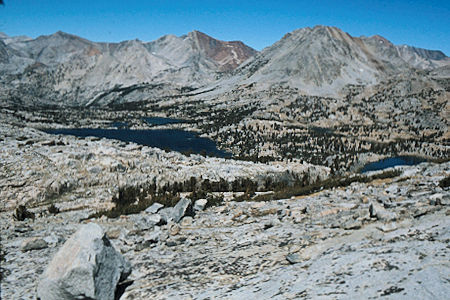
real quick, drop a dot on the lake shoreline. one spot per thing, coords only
(166, 139)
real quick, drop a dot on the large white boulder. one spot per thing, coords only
(86, 267)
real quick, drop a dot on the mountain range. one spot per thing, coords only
(322, 60)
(66, 70)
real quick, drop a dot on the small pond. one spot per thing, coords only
(392, 162)
(176, 140)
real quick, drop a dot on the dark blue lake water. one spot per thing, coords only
(119, 125)
(177, 140)
(392, 162)
(150, 121)
(162, 121)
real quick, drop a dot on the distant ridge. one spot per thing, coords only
(78, 71)
(321, 60)
(64, 69)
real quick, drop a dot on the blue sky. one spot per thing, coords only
(259, 24)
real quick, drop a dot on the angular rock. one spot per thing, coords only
(293, 258)
(186, 221)
(436, 199)
(86, 267)
(52, 239)
(143, 245)
(352, 224)
(387, 227)
(153, 236)
(200, 204)
(171, 243)
(183, 208)
(176, 213)
(166, 215)
(114, 234)
(34, 244)
(145, 222)
(379, 212)
(22, 229)
(154, 208)
(422, 211)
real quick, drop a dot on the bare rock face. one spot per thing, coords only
(314, 246)
(228, 55)
(321, 60)
(81, 72)
(423, 58)
(64, 69)
(86, 267)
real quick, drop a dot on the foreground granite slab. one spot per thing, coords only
(318, 246)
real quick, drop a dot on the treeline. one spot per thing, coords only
(132, 199)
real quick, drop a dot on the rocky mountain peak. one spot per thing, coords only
(61, 33)
(315, 58)
(425, 53)
(74, 63)
(322, 60)
(381, 40)
(423, 58)
(319, 31)
(61, 36)
(8, 39)
(318, 60)
(228, 55)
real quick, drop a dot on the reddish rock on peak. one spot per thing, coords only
(229, 55)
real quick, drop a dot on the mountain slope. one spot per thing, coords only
(64, 69)
(322, 60)
(423, 58)
(76, 71)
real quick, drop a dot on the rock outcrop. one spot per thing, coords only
(86, 267)
(76, 168)
(330, 244)
(347, 236)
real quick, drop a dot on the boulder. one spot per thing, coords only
(200, 204)
(154, 208)
(379, 212)
(34, 244)
(176, 213)
(146, 222)
(293, 258)
(86, 267)
(186, 221)
(153, 236)
(351, 224)
(387, 227)
(166, 215)
(436, 199)
(183, 208)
